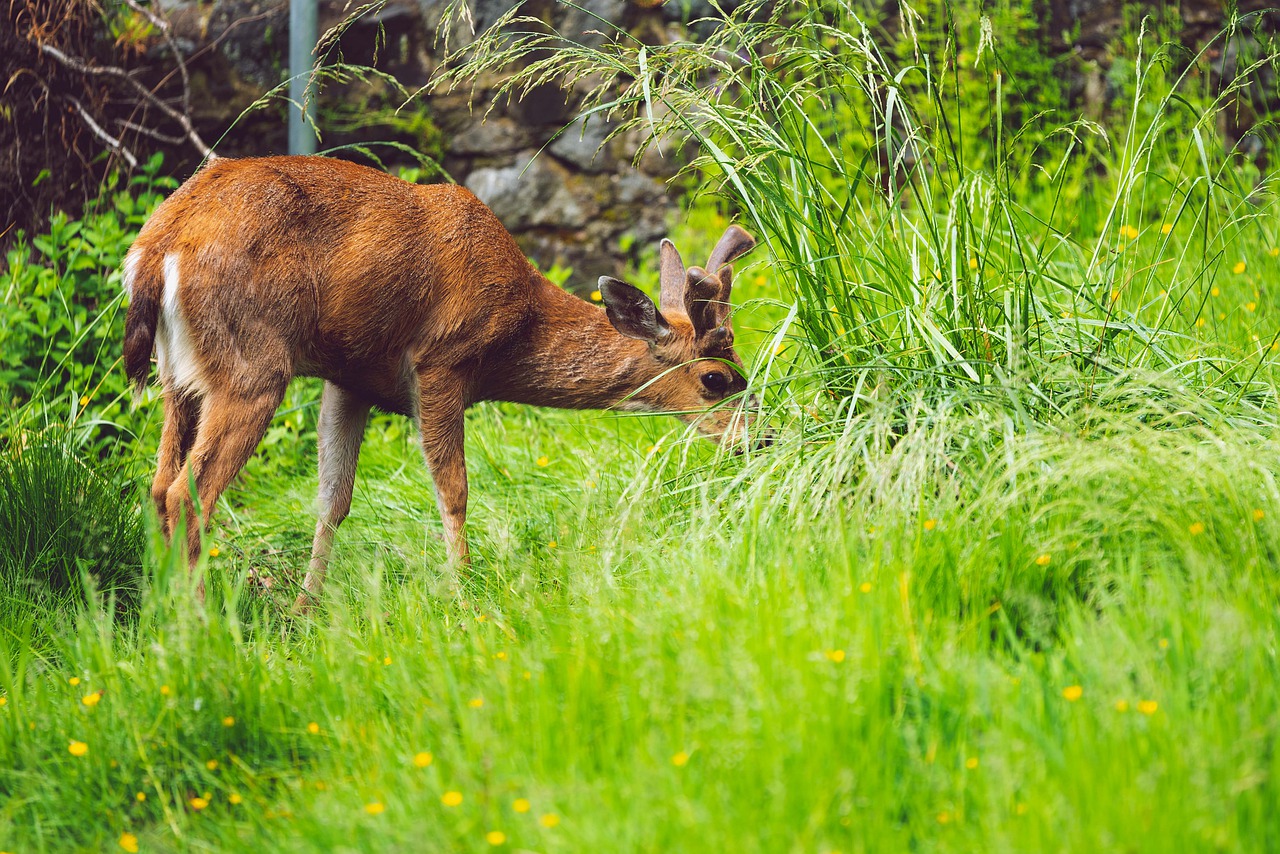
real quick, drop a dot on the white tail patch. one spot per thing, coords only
(175, 353)
(131, 260)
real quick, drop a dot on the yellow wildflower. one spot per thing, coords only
(313, 728)
(1072, 693)
(501, 655)
(521, 805)
(1148, 707)
(214, 552)
(836, 655)
(1258, 515)
(865, 587)
(1238, 268)
(476, 702)
(595, 296)
(73, 681)
(77, 748)
(164, 690)
(198, 803)
(374, 808)
(1166, 228)
(423, 759)
(1043, 560)
(1274, 253)
(228, 721)
(84, 401)
(212, 765)
(971, 762)
(234, 798)
(1251, 306)
(451, 799)
(1196, 528)
(91, 700)
(680, 760)
(140, 797)
(1214, 291)
(128, 842)
(930, 524)
(543, 461)
(495, 837)
(549, 820)
(973, 263)
(1122, 705)
(386, 661)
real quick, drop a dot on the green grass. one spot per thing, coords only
(1006, 580)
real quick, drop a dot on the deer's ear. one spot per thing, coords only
(631, 312)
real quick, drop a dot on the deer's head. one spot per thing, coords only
(698, 375)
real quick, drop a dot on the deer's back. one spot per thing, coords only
(327, 268)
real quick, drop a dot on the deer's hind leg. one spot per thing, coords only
(181, 416)
(233, 419)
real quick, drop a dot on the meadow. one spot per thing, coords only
(1006, 580)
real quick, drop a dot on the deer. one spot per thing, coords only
(410, 298)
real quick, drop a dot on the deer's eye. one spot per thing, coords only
(715, 382)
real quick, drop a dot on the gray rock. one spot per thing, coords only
(580, 144)
(495, 135)
(533, 194)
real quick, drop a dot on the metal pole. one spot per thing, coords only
(302, 41)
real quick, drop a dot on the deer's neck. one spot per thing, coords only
(571, 358)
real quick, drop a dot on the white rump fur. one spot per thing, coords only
(131, 270)
(175, 355)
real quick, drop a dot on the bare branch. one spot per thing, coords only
(78, 65)
(114, 144)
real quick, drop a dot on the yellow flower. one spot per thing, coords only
(1199, 322)
(214, 552)
(543, 461)
(1073, 693)
(313, 728)
(77, 748)
(1043, 560)
(129, 842)
(973, 263)
(865, 587)
(91, 700)
(971, 762)
(1238, 268)
(1122, 705)
(84, 401)
(836, 655)
(4, 701)
(1148, 707)
(374, 808)
(680, 760)
(944, 817)
(1214, 291)
(228, 721)
(1258, 515)
(1196, 528)
(451, 799)
(930, 524)
(501, 655)
(1020, 809)
(212, 765)
(1129, 232)
(1274, 253)
(549, 820)
(495, 837)
(551, 545)
(1251, 306)
(1163, 643)
(386, 661)
(234, 798)
(521, 805)
(423, 759)
(595, 296)
(73, 681)
(164, 690)
(476, 702)
(1115, 295)
(140, 797)
(198, 803)
(1166, 228)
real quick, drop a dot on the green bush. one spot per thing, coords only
(65, 521)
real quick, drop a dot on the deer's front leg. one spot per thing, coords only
(440, 423)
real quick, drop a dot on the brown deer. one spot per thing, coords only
(410, 298)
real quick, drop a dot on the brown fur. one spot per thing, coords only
(411, 298)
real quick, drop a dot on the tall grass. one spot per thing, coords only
(925, 244)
